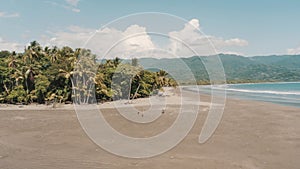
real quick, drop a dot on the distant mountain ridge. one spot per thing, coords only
(289, 61)
(238, 69)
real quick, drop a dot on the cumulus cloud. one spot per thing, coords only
(294, 51)
(9, 15)
(134, 41)
(191, 38)
(10, 46)
(108, 41)
(194, 23)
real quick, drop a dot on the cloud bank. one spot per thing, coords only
(10, 46)
(134, 40)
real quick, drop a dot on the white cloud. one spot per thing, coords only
(295, 51)
(200, 43)
(70, 5)
(74, 37)
(233, 53)
(134, 41)
(9, 15)
(235, 42)
(10, 46)
(108, 40)
(75, 10)
(112, 42)
(195, 23)
(72, 2)
(78, 29)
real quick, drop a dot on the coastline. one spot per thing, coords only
(288, 94)
(251, 135)
(36, 106)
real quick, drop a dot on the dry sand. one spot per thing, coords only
(251, 135)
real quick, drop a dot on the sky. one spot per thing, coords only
(249, 28)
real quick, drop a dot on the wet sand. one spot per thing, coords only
(251, 135)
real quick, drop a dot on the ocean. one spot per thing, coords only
(284, 93)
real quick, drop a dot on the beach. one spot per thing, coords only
(251, 135)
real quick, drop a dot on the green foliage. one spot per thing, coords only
(17, 95)
(64, 75)
(41, 87)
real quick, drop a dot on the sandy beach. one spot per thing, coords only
(251, 135)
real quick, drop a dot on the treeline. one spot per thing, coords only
(65, 75)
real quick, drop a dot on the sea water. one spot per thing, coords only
(285, 93)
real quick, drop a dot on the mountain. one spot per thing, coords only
(237, 68)
(288, 61)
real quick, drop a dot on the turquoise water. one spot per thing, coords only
(280, 93)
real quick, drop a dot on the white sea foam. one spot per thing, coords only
(266, 91)
(245, 90)
(285, 95)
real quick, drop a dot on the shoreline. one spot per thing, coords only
(262, 82)
(251, 135)
(136, 102)
(287, 98)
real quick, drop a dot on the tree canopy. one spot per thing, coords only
(72, 75)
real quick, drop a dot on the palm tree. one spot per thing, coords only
(33, 52)
(161, 78)
(53, 54)
(40, 74)
(12, 60)
(116, 61)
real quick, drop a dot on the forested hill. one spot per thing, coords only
(238, 69)
(288, 61)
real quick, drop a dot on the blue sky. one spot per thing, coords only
(268, 26)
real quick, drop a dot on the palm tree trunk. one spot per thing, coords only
(5, 87)
(135, 93)
(129, 88)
